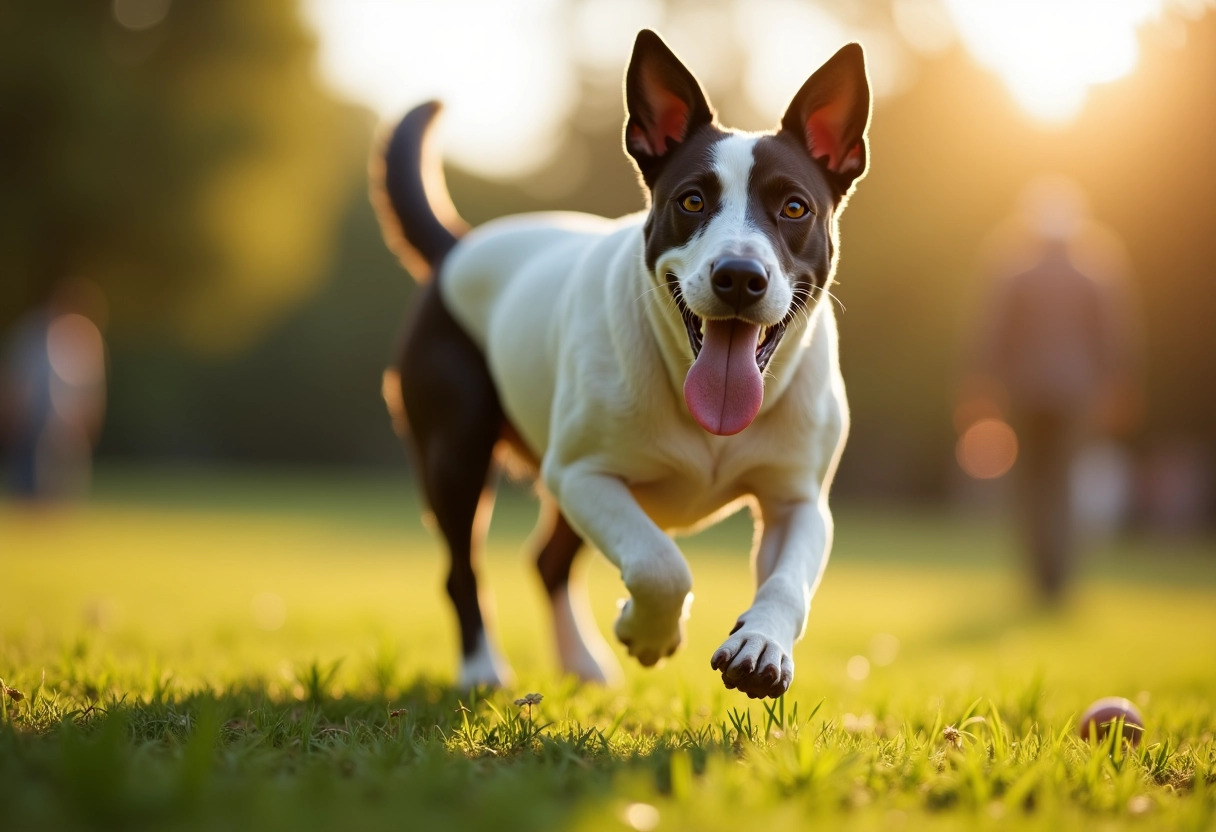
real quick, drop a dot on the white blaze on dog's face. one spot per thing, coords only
(742, 227)
(725, 231)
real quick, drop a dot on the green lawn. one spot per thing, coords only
(209, 649)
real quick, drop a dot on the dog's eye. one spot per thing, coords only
(692, 203)
(795, 209)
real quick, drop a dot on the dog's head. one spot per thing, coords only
(742, 227)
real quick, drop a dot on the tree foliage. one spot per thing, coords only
(191, 168)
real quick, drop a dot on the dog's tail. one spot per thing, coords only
(417, 218)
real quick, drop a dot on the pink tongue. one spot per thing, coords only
(723, 389)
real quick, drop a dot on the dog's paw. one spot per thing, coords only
(651, 632)
(473, 677)
(602, 670)
(591, 660)
(484, 667)
(754, 663)
(581, 650)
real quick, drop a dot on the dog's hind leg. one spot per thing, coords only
(581, 649)
(454, 422)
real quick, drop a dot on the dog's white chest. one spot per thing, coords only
(677, 503)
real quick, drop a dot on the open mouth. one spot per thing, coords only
(766, 345)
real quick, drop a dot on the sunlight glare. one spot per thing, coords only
(605, 30)
(508, 72)
(501, 69)
(1049, 54)
(786, 40)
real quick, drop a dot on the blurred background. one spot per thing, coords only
(191, 273)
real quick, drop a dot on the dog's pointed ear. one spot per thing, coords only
(830, 115)
(664, 102)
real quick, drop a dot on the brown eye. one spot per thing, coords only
(692, 203)
(795, 209)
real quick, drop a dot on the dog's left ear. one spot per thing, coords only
(830, 115)
(664, 101)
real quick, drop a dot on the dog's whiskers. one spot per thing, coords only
(667, 300)
(651, 290)
(824, 290)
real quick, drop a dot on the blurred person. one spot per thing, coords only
(1055, 361)
(52, 392)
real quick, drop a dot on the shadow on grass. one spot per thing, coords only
(435, 758)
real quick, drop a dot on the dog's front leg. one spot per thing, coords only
(602, 509)
(758, 657)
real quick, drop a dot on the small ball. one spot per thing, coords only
(1101, 715)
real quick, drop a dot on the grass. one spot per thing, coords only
(208, 650)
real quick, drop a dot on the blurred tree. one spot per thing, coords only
(179, 154)
(308, 390)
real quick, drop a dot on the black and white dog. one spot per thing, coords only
(656, 371)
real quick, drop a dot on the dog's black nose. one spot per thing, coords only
(739, 281)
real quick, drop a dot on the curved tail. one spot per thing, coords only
(419, 223)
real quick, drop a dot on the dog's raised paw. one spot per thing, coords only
(754, 664)
(650, 633)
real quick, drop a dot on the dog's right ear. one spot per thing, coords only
(664, 102)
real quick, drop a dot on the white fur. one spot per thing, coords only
(589, 356)
(485, 666)
(580, 648)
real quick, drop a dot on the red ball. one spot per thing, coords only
(1102, 715)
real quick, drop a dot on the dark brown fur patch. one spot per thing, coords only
(781, 170)
(690, 168)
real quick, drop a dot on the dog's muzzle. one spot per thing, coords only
(694, 324)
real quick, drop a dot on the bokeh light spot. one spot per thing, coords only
(140, 15)
(76, 350)
(924, 24)
(641, 816)
(884, 647)
(987, 449)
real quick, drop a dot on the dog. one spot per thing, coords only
(656, 372)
